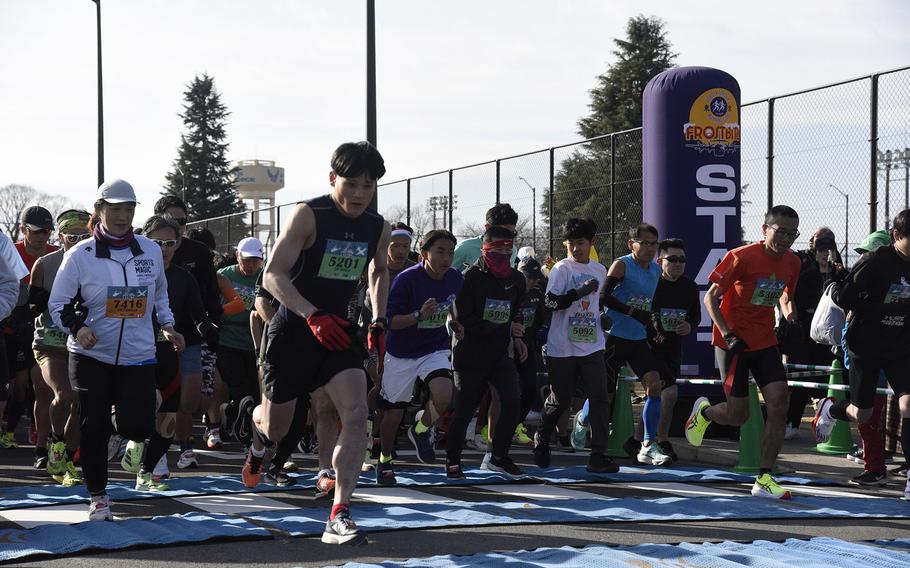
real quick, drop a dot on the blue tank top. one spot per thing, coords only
(637, 290)
(334, 264)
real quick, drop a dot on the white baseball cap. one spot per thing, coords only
(250, 247)
(117, 191)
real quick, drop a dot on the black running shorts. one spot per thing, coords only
(764, 364)
(637, 353)
(865, 371)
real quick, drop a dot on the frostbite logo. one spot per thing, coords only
(713, 123)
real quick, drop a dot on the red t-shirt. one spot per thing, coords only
(752, 281)
(29, 260)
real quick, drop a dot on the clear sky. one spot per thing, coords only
(458, 82)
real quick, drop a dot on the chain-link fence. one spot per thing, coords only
(838, 154)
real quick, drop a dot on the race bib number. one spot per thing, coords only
(343, 260)
(438, 319)
(126, 302)
(527, 317)
(497, 311)
(670, 318)
(55, 338)
(582, 327)
(768, 291)
(897, 293)
(640, 302)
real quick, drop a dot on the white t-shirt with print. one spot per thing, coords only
(576, 331)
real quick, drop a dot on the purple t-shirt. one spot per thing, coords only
(410, 290)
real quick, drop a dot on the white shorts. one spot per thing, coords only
(400, 374)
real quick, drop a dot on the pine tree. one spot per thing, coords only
(201, 174)
(582, 184)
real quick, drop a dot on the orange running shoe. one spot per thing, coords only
(252, 470)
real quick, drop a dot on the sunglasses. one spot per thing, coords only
(168, 243)
(645, 243)
(75, 238)
(674, 258)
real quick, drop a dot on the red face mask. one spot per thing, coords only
(497, 262)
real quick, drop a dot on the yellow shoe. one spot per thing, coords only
(766, 487)
(697, 423)
(56, 459)
(71, 478)
(8, 441)
(521, 436)
(485, 434)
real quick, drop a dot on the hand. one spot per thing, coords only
(735, 344)
(175, 338)
(209, 332)
(587, 287)
(457, 329)
(521, 350)
(86, 337)
(641, 316)
(684, 328)
(376, 344)
(428, 308)
(329, 330)
(518, 330)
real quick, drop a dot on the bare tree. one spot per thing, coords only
(14, 198)
(421, 219)
(57, 204)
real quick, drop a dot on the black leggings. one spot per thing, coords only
(592, 372)
(131, 389)
(470, 386)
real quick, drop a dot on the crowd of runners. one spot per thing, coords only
(354, 330)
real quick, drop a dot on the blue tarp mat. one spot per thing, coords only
(40, 495)
(814, 553)
(175, 529)
(374, 517)
(903, 543)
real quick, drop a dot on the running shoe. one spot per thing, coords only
(652, 454)
(423, 443)
(601, 463)
(132, 457)
(100, 508)
(579, 436)
(114, 446)
(766, 487)
(252, 470)
(697, 423)
(541, 451)
(857, 456)
(385, 474)
(8, 441)
(667, 447)
(187, 459)
(870, 478)
(56, 461)
(161, 470)
(325, 484)
(631, 447)
(907, 490)
(40, 458)
(824, 422)
(226, 419)
(521, 436)
(485, 462)
(504, 465)
(213, 440)
(477, 443)
(243, 423)
(279, 476)
(343, 530)
(485, 434)
(145, 481)
(289, 466)
(70, 477)
(367, 464)
(454, 471)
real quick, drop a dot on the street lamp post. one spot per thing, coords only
(533, 211)
(100, 98)
(846, 197)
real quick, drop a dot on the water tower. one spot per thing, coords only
(256, 182)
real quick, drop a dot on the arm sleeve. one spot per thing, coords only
(65, 295)
(611, 301)
(557, 297)
(38, 297)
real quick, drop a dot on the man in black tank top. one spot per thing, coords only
(313, 271)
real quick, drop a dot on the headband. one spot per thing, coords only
(402, 233)
(72, 219)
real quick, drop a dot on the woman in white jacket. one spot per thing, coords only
(104, 294)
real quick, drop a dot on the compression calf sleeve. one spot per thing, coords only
(650, 417)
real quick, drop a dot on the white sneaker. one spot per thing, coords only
(485, 464)
(907, 490)
(161, 471)
(824, 422)
(791, 433)
(187, 459)
(100, 508)
(477, 443)
(653, 454)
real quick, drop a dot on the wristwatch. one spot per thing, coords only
(416, 315)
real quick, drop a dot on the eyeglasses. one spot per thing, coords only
(645, 243)
(786, 234)
(674, 258)
(76, 237)
(168, 243)
(182, 221)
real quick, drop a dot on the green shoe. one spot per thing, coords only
(71, 477)
(8, 441)
(132, 457)
(697, 423)
(146, 482)
(56, 459)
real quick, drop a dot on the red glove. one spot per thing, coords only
(329, 330)
(376, 344)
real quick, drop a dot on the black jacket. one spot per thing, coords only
(197, 258)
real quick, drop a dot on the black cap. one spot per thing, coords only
(38, 217)
(530, 268)
(824, 243)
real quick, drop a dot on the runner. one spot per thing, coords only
(629, 295)
(313, 272)
(575, 345)
(745, 287)
(676, 300)
(13, 270)
(420, 304)
(487, 308)
(877, 293)
(50, 351)
(118, 280)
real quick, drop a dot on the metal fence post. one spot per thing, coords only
(277, 221)
(550, 197)
(451, 203)
(873, 157)
(770, 155)
(612, 197)
(409, 202)
(497, 182)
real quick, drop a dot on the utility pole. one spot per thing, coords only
(533, 211)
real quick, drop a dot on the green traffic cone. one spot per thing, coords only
(841, 441)
(622, 420)
(750, 436)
